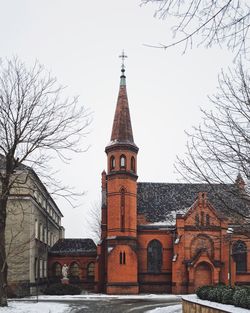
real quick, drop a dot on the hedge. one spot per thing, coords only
(62, 289)
(238, 296)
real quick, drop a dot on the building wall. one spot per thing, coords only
(32, 226)
(155, 282)
(85, 281)
(194, 252)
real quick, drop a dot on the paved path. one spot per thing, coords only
(119, 305)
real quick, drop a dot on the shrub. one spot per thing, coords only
(239, 295)
(212, 295)
(202, 292)
(227, 296)
(245, 302)
(62, 289)
(220, 289)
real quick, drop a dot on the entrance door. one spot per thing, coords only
(203, 275)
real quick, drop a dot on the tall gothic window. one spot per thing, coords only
(112, 163)
(132, 164)
(122, 209)
(154, 256)
(122, 161)
(197, 220)
(207, 220)
(202, 218)
(91, 271)
(239, 252)
(57, 269)
(74, 270)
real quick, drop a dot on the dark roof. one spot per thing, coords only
(122, 128)
(161, 201)
(73, 246)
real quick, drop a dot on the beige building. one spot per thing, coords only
(33, 226)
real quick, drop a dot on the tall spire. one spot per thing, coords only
(122, 128)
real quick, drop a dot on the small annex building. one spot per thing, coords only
(79, 255)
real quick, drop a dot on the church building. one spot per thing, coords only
(165, 237)
(157, 237)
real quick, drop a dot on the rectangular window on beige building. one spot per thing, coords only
(41, 268)
(36, 229)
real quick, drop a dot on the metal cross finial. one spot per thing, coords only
(123, 56)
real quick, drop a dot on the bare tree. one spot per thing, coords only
(207, 22)
(36, 122)
(218, 150)
(94, 221)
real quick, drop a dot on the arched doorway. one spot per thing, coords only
(202, 275)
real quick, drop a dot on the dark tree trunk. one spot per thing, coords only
(5, 191)
(3, 261)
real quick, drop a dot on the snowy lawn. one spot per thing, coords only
(46, 304)
(170, 309)
(95, 296)
(32, 307)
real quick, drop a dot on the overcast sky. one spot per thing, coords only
(79, 41)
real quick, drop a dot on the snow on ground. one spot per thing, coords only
(95, 296)
(169, 309)
(40, 307)
(220, 306)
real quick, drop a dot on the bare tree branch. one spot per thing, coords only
(218, 150)
(206, 22)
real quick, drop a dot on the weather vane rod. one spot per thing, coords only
(123, 56)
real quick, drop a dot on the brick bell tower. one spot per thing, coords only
(119, 209)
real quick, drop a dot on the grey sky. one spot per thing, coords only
(79, 41)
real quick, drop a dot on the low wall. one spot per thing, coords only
(192, 304)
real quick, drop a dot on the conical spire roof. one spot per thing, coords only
(122, 128)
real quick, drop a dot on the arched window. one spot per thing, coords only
(154, 256)
(91, 271)
(197, 220)
(57, 269)
(202, 218)
(74, 270)
(239, 252)
(122, 209)
(122, 161)
(112, 163)
(133, 164)
(207, 220)
(201, 243)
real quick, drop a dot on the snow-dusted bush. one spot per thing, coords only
(227, 296)
(239, 296)
(202, 292)
(212, 295)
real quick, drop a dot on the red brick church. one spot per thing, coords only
(158, 237)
